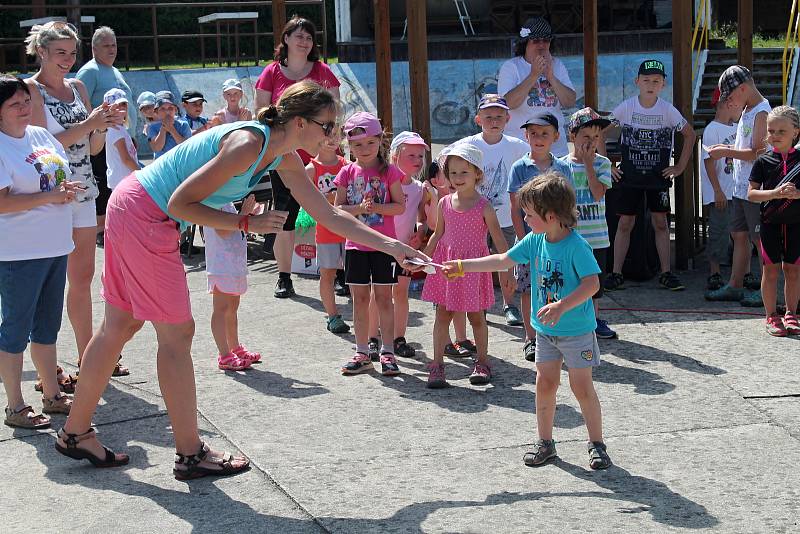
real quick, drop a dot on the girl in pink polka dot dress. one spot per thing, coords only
(464, 219)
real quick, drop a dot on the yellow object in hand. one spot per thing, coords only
(458, 273)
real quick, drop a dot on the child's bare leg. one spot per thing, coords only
(400, 294)
(548, 377)
(661, 227)
(219, 322)
(481, 333)
(382, 295)
(232, 321)
(525, 304)
(441, 332)
(741, 258)
(769, 287)
(791, 288)
(361, 296)
(622, 240)
(326, 294)
(374, 316)
(580, 381)
(459, 325)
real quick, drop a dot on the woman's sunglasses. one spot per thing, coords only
(327, 127)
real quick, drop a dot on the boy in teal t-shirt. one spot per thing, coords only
(564, 276)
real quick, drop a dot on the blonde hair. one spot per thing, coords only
(303, 99)
(550, 192)
(44, 34)
(788, 113)
(478, 170)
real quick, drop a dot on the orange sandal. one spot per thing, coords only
(66, 383)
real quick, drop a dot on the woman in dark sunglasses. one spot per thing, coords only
(143, 277)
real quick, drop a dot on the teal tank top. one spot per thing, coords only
(161, 178)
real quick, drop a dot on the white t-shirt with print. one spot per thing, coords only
(497, 161)
(541, 98)
(717, 133)
(116, 169)
(744, 140)
(646, 141)
(35, 163)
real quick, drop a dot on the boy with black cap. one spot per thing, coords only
(193, 109)
(648, 126)
(500, 151)
(541, 131)
(737, 90)
(591, 178)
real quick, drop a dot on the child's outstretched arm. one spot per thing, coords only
(549, 314)
(487, 264)
(499, 240)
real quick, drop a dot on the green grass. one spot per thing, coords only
(729, 35)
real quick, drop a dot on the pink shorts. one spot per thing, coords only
(142, 272)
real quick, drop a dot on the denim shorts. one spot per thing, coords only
(31, 302)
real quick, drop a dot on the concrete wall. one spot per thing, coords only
(455, 87)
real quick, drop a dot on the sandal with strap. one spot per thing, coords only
(111, 459)
(232, 362)
(25, 417)
(60, 404)
(66, 383)
(192, 468)
(119, 369)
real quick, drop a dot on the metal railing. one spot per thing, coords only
(790, 48)
(702, 25)
(106, 14)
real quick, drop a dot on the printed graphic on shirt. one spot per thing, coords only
(645, 153)
(542, 94)
(729, 161)
(326, 186)
(549, 279)
(376, 192)
(50, 167)
(494, 186)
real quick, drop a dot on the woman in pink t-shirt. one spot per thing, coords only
(296, 59)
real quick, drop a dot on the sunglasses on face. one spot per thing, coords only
(327, 127)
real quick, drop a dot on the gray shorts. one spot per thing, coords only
(330, 255)
(578, 352)
(522, 273)
(746, 217)
(719, 230)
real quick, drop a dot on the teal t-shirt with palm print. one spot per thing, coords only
(556, 271)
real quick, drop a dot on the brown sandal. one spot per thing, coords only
(193, 469)
(25, 417)
(66, 383)
(60, 404)
(72, 450)
(119, 369)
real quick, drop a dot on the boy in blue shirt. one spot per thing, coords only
(541, 131)
(169, 130)
(565, 274)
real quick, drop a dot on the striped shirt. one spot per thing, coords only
(592, 214)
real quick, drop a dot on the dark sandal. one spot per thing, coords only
(119, 369)
(75, 453)
(66, 383)
(193, 469)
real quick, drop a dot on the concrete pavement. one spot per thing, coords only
(700, 415)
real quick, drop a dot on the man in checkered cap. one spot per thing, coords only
(737, 90)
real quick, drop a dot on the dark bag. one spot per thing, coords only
(642, 261)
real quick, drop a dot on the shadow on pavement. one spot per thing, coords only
(643, 354)
(275, 385)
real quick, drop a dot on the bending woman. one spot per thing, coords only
(143, 275)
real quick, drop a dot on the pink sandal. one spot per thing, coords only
(243, 353)
(232, 362)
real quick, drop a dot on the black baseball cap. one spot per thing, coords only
(541, 119)
(192, 96)
(652, 66)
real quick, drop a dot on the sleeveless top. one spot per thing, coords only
(62, 116)
(323, 179)
(162, 177)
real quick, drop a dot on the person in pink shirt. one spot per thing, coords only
(370, 190)
(296, 59)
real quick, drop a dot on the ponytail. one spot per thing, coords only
(303, 99)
